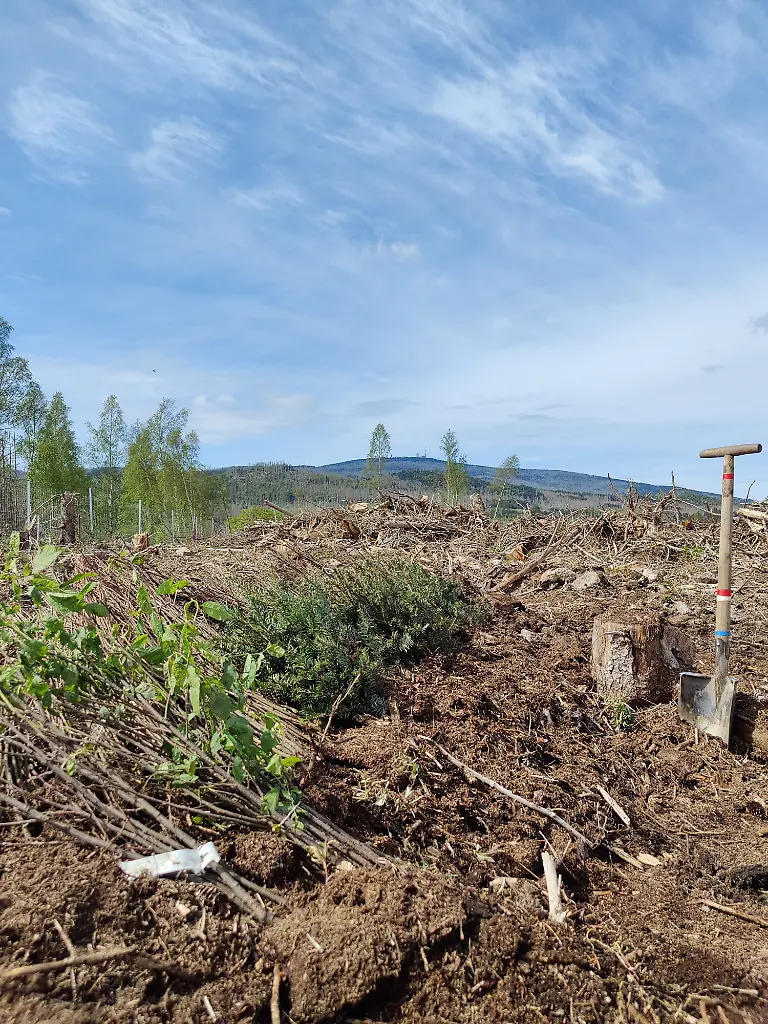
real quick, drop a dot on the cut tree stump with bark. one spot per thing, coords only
(68, 523)
(750, 721)
(639, 657)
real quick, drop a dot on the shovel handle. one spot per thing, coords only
(733, 449)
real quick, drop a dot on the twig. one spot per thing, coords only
(509, 794)
(556, 911)
(83, 959)
(321, 742)
(99, 957)
(619, 811)
(336, 705)
(65, 938)
(209, 1009)
(72, 952)
(762, 921)
(512, 578)
(274, 1004)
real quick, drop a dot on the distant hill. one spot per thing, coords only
(542, 479)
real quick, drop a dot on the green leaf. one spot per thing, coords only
(251, 668)
(64, 601)
(217, 611)
(220, 704)
(268, 741)
(193, 684)
(172, 586)
(70, 676)
(275, 651)
(144, 601)
(228, 676)
(291, 762)
(45, 557)
(96, 609)
(238, 769)
(271, 801)
(240, 729)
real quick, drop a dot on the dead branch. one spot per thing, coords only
(509, 794)
(762, 921)
(274, 1003)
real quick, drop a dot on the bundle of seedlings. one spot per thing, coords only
(115, 743)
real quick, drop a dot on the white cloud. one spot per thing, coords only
(400, 252)
(268, 197)
(178, 149)
(224, 406)
(58, 130)
(220, 422)
(193, 40)
(533, 109)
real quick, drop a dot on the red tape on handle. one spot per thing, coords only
(724, 593)
(728, 476)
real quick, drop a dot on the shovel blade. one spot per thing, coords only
(706, 702)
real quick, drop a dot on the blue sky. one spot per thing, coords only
(543, 225)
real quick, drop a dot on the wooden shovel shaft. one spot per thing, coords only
(723, 613)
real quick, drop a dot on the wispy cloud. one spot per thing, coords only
(480, 208)
(57, 129)
(531, 111)
(268, 197)
(220, 422)
(383, 406)
(400, 252)
(178, 149)
(197, 41)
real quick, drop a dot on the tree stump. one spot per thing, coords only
(750, 721)
(68, 525)
(638, 658)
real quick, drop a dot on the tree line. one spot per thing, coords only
(156, 461)
(456, 478)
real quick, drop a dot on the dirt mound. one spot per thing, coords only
(354, 941)
(192, 929)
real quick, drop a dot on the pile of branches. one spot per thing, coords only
(96, 771)
(134, 740)
(465, 541)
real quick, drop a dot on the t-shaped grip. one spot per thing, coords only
(734, 449)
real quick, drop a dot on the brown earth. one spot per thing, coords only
(457, 930)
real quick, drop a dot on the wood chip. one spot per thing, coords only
(649, 859)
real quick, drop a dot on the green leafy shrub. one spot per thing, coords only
(48, 659)
(249, 516)
(331, 638)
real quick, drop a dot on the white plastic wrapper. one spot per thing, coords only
(194, 861)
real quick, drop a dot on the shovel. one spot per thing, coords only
(706, 702)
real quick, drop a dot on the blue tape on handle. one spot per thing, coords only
(722, 632)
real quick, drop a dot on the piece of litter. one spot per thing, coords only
(183, 910)
(649, 859)
(194, 861)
